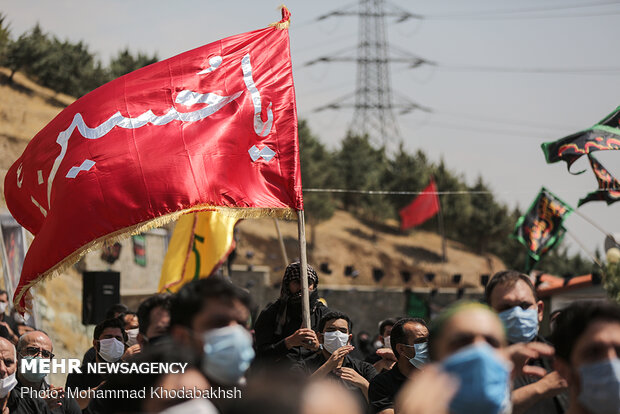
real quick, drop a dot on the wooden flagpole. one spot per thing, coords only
(305, 297)
(443, 234)
(282, 248)
(441, 228)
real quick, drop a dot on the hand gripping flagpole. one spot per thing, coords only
(305, 299)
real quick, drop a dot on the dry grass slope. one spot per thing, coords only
(25, 108)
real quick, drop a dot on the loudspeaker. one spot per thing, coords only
(100, 291)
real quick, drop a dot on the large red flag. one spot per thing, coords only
(422, 208)
(212, 127)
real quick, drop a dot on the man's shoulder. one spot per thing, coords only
(363, 368)
(382, 379)
(356, 362)
(21, 402)
(271, 308)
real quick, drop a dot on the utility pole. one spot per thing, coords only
(373, 101)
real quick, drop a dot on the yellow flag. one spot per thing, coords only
(201, 241)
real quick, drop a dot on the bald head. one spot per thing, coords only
(8, 364)
(34, 339)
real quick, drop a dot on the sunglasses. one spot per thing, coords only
(32, 351)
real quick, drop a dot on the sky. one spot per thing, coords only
(487, 123)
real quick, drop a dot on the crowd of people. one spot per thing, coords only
(473, 357)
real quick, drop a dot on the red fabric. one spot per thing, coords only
(144, 172)
(421, 208)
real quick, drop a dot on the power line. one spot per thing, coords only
(519, 134)
(499, 69)
(513, 13)
(382, 192)
(505, 121)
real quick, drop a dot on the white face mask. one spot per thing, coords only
(334, 340)
(387, 343)
(111, 349)
(3, 306)
(132, 336)
(7, 384)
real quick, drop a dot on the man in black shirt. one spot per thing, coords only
(109, 341)
(11, 398)
(383, 388)
(279, 335)
(37, 345)
(334, 361)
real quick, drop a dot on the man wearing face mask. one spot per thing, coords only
(279, 335)
(408, 338)
(383, 359)
(130, 321)
(11, 400)
(513, 296)
(468, 339)
(211, 317)
(109, 342)
(37, 345)
(587, 346)
(334, 359)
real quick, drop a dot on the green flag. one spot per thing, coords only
(541, 227)
(603, 136)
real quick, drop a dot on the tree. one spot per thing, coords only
(405, 172)
(489, 222)
(125, 62)
(63, 67)
(456, 208)
(317, 171)
(362, 167)
(26, 51)
(612, 281)
(5, 38)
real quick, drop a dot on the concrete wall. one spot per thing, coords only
(365, 305)
(136, 280)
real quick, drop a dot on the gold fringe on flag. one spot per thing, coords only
(60, 267)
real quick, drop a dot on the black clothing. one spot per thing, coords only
(4, 333)
(366, 370)
(22, 403)
(372, 358)
(383, 388)
(9, 321)
(554, 405)
(89, 356)
(83, 381)
(68, 404)
(270, 346)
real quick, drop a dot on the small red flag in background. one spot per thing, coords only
(213, 128)
(421, 208)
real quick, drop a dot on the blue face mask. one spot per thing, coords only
(600, 386)
(521, 324)
(228, 354)
(484, 381)
(421, 357)
(32, 375)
